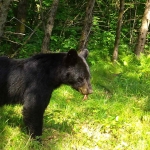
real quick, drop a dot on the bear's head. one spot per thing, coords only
(78, 72)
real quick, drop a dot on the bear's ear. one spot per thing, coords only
(72, 57)
(84, 53)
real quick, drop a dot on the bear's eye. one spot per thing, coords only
(80, 79)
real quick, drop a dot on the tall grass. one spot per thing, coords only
(115, 117)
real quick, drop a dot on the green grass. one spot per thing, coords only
(115, 117)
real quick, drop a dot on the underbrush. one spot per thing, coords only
(115, 117)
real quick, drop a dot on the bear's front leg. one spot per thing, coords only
(33, 119)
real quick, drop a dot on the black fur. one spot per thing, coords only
(31, 82)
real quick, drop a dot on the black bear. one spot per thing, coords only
(31, 82)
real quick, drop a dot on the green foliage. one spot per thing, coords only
(61, 44)
(68, 27)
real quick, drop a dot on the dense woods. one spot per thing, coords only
(111, 27)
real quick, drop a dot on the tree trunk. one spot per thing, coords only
(143, 30)
(87, 25)
(21, 16)
(118, 31)
(4, 5)
(20, 27)
(49, 27)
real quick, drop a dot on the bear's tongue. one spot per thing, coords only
(85, 97)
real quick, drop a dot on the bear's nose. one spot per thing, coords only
(85, 91)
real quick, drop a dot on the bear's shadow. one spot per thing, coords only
(10, 118)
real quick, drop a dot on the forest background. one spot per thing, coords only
(116, 115)
(27, 22)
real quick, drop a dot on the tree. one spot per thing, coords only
(20, 26)
(49, 26)
(118, 30)
(4, 5)
(87, 25)
(143, 30)
(21, 16)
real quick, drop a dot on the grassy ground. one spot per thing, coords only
(115, 117)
